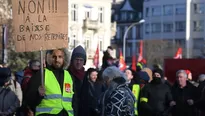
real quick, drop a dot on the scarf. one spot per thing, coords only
(77, 73)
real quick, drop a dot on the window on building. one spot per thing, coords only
(156, 10)
(156, 27)
(180, 26)
(87, 14)
(180, 9)
(140, 15)
(122, 31)
(101, 14)
(128, 51)
(118, 32)
(198, 43)
(87, 44)
(123, 16)
(147, 28)
(129, 35)
(116, 17)
(199, 8)
(198, 25)
(101, 45)
(168, 27)
(168, 9)
(147, 12)
(131, 16)
(74, 12)
(180, 42)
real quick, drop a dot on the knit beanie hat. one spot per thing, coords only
(79, 52)
(158, 71)
(5, 75)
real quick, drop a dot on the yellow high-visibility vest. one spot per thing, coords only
(54, 100)
(136, 91)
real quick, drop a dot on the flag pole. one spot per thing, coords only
(3, 44)
(42, 68)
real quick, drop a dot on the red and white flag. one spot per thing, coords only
(134, 62)
(178, 54)
(96, 58)
(140, 58)
(122, 64)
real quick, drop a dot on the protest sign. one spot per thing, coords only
(40, 24)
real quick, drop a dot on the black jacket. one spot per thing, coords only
(89, 97)
(158, 95)
(180, 96)
(200, 103)
(32, 96)
(8, 102)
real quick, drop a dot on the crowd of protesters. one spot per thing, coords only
(70, 90)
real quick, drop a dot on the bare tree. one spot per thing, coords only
(156, 50)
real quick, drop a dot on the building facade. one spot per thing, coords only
(125, 14)
(177, 21)
(90, 26)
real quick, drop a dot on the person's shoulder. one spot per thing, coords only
(8, 92)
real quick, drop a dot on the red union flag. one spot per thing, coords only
(134, 60)
(122, 62)
(96, 57)
(140, 52)
(178, 54)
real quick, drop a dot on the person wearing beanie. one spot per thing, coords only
(163, 79)
(53, 96)
(184, 94)
(117, 100)
(77, 71)
(155, 97)
(9, 102)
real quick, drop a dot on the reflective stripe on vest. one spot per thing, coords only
(135, 91)
(143, 99)
(55, 100)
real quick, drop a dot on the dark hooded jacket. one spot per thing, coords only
(9, 102)
(90, 94)
(158, 96)
(77, 76)
(32, 96)
(180, 96)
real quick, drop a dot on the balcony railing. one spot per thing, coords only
(89, 24)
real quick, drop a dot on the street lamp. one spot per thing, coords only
(125, 35)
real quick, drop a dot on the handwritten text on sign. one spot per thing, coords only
(40, 24)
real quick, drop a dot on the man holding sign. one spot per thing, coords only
(55, 96)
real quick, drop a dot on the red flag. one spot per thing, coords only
(140, 58)
(178, 54)
(134, 60)
(122, 62)
(96, 57)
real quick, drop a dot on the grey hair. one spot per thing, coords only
(113, 72)
(181, 71)
(201, 77)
